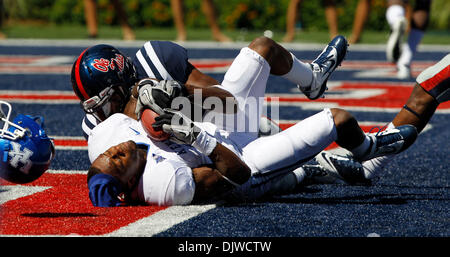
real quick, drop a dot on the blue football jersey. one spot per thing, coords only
(163, 60)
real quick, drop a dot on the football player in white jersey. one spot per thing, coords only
(153, 172)
(102, 77)
(221, 155)
(431, 89)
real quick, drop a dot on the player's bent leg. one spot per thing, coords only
(349, 134)
(282, 182)
(303, 176)
(418, 110)
(282, 62)
(380, 150)
(367, 146)
(292, 146)
(278, 57)
(431, 89)
(246, 79)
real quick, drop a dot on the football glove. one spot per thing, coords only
(157, 95)
(182, 130)
(180, 127)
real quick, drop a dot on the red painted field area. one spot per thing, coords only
(64, 209)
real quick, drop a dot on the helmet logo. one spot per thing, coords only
(104, 65)
(18, 156)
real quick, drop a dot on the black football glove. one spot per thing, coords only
(180, 127)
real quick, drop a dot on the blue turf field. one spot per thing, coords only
(411, 199)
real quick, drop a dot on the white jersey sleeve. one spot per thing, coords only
(166, 182)
(119, 128)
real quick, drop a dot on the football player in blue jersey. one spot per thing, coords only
(102, 77)
(213, 158)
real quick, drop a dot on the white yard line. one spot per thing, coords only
(13, 192)
(162, 220)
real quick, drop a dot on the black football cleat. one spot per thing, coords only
(344, 168)
(390, 141)
(322, 67)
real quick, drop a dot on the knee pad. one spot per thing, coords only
(436, 81)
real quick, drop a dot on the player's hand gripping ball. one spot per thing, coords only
(147, 119)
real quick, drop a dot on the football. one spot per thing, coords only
(147, 119)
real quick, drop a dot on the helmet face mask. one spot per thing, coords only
(109, 101)
(26, 150)
(5, 132)
(96, 102)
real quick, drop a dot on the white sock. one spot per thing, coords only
(393, 13)
(300, 73)
(300, 174)
(373, 167)
(409, 48)
(360, 150)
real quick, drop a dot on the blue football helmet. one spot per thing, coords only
(102, 78)
(26, 150)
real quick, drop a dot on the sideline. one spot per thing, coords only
(198, 44)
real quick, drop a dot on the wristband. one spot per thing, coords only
(228, 180)
(205, 143)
